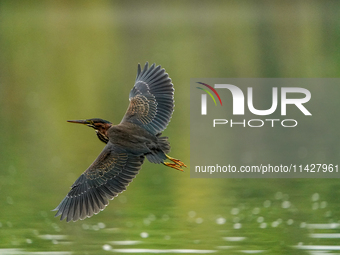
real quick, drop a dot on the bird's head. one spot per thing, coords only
(101, 126)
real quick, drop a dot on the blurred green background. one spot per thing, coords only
(65, 60)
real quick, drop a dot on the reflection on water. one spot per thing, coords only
(243, 229)
(126, 242)
(22, 252)
(109, 248)
(321, 248)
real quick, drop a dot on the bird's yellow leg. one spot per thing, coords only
(177, 164)
(173, 165)
(176, 161)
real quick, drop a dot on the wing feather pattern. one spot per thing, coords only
(107, 176)
(151, 99)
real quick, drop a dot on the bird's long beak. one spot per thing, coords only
(84, 122)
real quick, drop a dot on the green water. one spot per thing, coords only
(65, 60)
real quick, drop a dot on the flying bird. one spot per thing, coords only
(137, 136)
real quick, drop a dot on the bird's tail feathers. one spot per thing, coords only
(159, 155)
(164, 144)
(156, 157)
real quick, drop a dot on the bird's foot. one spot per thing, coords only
(177, 163)
(173, 165)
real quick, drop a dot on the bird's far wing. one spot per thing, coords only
(151, 99)
(107, 176)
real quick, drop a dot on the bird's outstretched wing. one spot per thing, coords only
(151, 99)
(107, 176)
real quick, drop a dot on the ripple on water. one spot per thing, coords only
(263, 225)
(23, 252)
(325, 235)
(237, 226)
(323, 226)
(144, 235)
(234, 238)
(107, 247)
(275, 224)
(251, 251)
(290, 222)
(323, 204)
(315, 197)
(260, 219)
(285, 204)
(318, 247)
(163, 251)
(221, 221)
(125, 242)
(235, 211)
(256, 210)
(53, 237)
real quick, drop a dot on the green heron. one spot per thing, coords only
(137, 136)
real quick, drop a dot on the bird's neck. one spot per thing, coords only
(102, 137)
